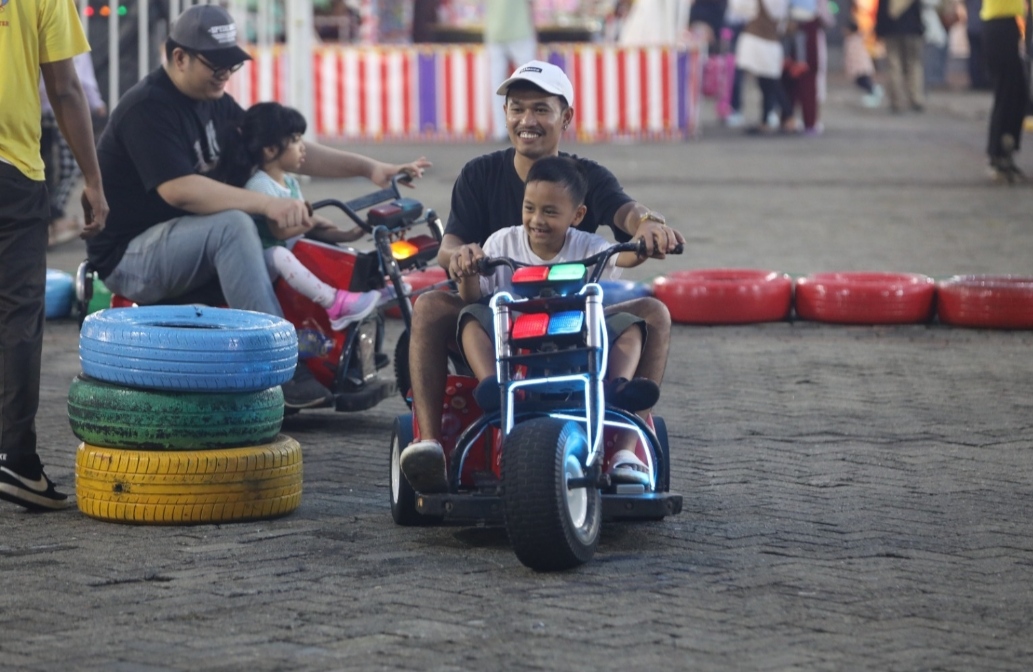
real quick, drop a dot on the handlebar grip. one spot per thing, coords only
(678, 249)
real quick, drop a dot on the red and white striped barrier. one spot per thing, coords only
(442, 92)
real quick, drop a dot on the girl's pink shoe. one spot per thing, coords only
(351, 307)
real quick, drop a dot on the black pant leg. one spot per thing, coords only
(24, 216)
(1008, 78)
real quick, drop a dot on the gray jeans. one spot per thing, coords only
(183, 254)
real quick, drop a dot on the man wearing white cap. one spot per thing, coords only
(172, 230)
(488, 196)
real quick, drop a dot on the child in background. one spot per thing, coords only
(554, 204)
(260, 156)
(858, 65)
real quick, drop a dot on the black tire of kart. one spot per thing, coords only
(536, 507)
(402, 378)
(403, 497)
(660, 429)
(60, 295)
(102, 414)
(189, 487)
(188, 348)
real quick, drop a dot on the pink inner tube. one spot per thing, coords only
(987, 301)
(725, 295)
(865, 298)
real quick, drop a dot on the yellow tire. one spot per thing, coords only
(155, 487)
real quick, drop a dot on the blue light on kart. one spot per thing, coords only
(567, 322)
(530, 325)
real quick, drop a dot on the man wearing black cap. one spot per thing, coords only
(488, 196)
(173, 230)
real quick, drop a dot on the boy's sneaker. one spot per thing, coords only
(351, 307)
(633, 395)
(423, 465)
(304, 391)
(36, 492)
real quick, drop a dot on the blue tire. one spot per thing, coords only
(618, 291)
(60, 294)
(188, 348)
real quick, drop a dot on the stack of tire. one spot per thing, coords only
(179, 411)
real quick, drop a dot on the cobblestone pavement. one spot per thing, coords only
(855, 497)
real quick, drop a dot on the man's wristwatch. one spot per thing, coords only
(651, 216)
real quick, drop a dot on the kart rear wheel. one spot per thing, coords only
(551, 527)
(403, 497)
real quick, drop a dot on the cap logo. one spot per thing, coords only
(530, 68)
(224, 34)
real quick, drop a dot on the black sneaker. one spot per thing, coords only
(633, 395)
(35, 493)
(304, 391)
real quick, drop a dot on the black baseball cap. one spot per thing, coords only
(209, 30)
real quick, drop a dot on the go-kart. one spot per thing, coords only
(539, 464)
(347, 361)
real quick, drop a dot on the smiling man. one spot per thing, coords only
(488, 196)
(172, 229)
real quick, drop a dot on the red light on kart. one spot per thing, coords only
(531, 274)
(422, 243)
(403, 249)
(530, 325)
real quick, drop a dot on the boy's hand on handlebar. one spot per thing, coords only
(659, 238)
(289, 213)
(463, 263)
(383, 172)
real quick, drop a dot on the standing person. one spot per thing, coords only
(488, 196)
(1002, 42)
(173, 229)
(899, 24)
(760, 53)
(509, 37)
(857, 63)
(35, 36)
(66, 171)
(259, 155)
(810, 47)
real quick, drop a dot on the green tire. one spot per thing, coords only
(113, 416)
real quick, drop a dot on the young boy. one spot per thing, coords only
(553, 206)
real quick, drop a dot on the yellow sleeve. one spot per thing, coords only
(61, 34)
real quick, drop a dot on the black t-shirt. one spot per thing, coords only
(155, 134)
(489, 195)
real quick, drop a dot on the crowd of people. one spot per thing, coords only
(183, 174)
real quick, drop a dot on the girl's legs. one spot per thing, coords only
(342, 306)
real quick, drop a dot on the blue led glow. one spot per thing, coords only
(567, 322)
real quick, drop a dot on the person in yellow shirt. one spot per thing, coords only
(35, 36)
(1002, 40)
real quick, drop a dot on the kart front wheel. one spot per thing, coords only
(551, 527)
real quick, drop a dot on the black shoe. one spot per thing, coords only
(35, 492)
(487, 395)
(304, 391)
(633, 395)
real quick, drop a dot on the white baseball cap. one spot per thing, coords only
(545, 76)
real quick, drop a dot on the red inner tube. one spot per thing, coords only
(725, 295)
(988, 301)
(865, 298)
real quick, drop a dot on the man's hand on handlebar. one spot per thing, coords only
(463, 263)
(289, 214)
(659, 238)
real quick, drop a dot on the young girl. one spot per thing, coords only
(260, 156)
(554, 204)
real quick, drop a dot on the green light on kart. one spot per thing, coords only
(565, 272)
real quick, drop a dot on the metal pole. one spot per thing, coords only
(299, 54)
(113, 88)
(143, 38)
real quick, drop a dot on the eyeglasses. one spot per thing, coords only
(217, 72)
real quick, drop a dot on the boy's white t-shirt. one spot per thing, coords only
(512, 242)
